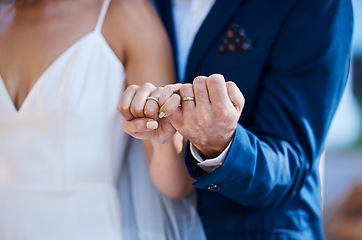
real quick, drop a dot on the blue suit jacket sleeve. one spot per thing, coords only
(303, 80)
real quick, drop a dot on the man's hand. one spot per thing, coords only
(209, 122)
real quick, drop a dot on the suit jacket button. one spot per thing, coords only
(213, 187)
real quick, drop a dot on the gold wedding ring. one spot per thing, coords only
(152, 98)
(187, 99)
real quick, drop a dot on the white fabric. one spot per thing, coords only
(153, 211)
(188, 16)
(209, 165)
(62, 152)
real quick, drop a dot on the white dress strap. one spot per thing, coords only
(102, 15)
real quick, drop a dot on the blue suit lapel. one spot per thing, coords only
(215, 22)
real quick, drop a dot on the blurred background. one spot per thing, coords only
(342, 166)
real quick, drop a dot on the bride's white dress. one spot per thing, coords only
(62, 152)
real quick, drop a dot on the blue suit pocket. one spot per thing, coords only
(233, 59)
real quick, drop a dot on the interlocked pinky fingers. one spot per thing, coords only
(168, 91)
(170, 105)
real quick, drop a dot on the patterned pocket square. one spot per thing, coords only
(235, 40)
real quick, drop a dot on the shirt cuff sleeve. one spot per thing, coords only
(209, 165)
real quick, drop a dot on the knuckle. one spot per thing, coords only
(124, 111)
(215, 78)
(132, 87)
(231, 84)
(136, 111)
(147, 85)
(168, 88)
(186, 86)
(221, 114)
(123, 108)
(159, 89)
(215, 81)
(199, 80)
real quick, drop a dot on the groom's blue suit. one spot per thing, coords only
(291, 67)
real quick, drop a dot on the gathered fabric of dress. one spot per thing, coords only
(66, 168)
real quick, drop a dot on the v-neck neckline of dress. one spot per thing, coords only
(39, 80)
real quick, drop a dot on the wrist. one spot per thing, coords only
(211, 150)
(163, 141)
(208, 153)
(174, 142)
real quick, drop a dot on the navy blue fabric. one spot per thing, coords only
(292, 79)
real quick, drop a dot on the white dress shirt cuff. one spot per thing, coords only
(209, 165)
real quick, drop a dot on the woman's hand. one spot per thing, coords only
(140, 109)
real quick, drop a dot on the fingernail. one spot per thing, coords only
(161, 115)
(152, 125)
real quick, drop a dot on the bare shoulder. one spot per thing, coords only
(133, 13)
(130, 5)
(136, 14)
(131, 23)
(132, 27)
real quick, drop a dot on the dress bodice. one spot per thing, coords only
(61, 152)
(68, 126)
